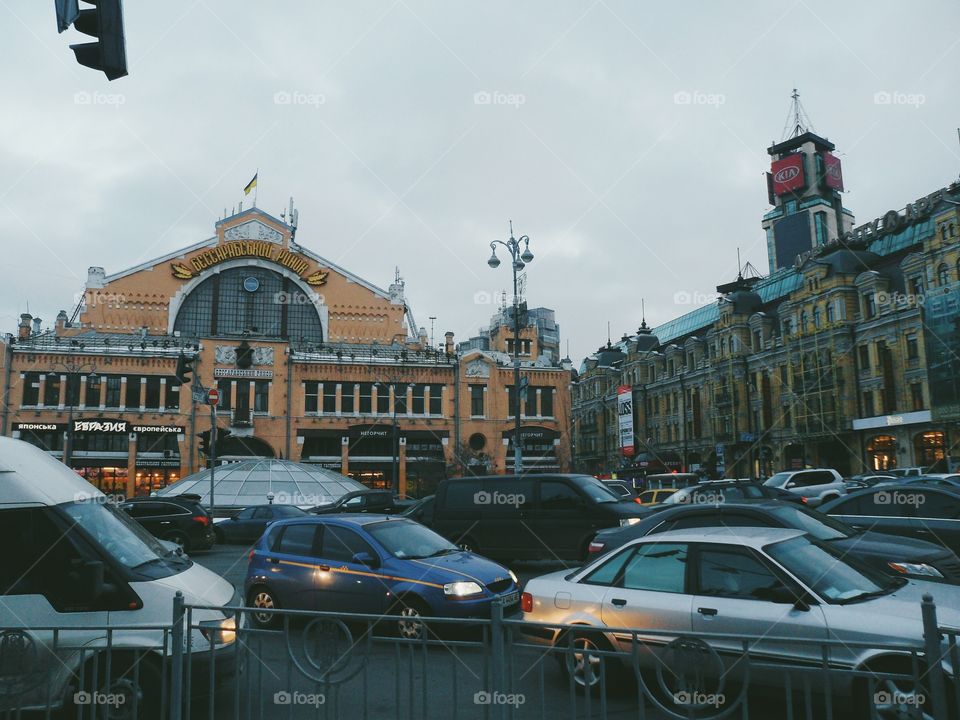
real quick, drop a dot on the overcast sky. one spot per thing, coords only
(627, 139)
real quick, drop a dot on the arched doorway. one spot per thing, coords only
(929, 448)
(882, 452)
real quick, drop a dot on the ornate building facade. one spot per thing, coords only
(847, 357)
(312, 363)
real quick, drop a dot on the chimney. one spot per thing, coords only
(448, 344)
(61, 320)
(36, 325)
(23, 329)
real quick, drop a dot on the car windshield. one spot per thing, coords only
(777, 480)
(837, 579)
(819, 526)
(124, 539)
(598, 492)
(409, 540)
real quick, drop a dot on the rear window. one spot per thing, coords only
(297, 540)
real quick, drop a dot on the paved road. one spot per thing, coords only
(386, 678)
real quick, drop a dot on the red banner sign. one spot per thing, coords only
(832, 175)
(788, 174)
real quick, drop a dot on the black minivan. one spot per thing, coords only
(528, 517)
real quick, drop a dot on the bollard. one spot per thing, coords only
(176, 681)
(931, 638)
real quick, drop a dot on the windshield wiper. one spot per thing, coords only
(867, 595)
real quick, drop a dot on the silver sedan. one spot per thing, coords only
(777, 593)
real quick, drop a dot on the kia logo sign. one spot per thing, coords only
(786, 174)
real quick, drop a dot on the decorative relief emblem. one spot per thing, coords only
(253, 230)
(226, 355)
(478, 368)
(263, 356)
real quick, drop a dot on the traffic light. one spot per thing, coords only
(204, 442)
(184, 368)
(103, 22)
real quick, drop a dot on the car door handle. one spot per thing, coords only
(707, 611)
(325, 568)
(619, 602)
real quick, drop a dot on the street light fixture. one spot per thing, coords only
(74, 370)
(520, 260)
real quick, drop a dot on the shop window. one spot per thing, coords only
(366, 398)
(51, 390)
(329, 398)
(929, 448)
(436, 399)
(31, 389)
(882, 452)
(311, 402)
(114, 387)
(171, 400)
(261, 396)
(132, 396)
(152, 401)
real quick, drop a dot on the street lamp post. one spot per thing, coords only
(520, 260)
(74, 370)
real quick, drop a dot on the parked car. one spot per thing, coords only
(888, 553)
(652, 497)
(764, 583)
(814, 486)
(716, 491)
(909, 509)
(374, 564)
(857, 482)
(623, 488)
(529, 516)
(941, 479)
(670, 480)
(419, 509)
(905, 472)
(75, 566)
(180, 519)
(361, 501)
(248, 524)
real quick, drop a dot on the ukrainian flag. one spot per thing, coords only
(251, 185)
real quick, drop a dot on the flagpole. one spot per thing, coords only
(256, 187)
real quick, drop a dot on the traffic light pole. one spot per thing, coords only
(213, 452)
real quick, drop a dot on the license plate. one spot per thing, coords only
(511, 598)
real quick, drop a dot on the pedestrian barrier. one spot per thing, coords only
(358, 666)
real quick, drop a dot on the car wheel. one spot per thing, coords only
(410, 625)
(582, 663)
(894, 698)
(178, 537)
(263, 601)
(135, 678)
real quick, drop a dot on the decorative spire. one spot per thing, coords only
(798, 122)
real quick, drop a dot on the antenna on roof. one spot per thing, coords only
(608, 333)
(739, 266)
(798, 121)
(643, 312)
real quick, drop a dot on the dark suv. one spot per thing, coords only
(362, 501)
(179, 520)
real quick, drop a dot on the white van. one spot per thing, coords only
(72, 566)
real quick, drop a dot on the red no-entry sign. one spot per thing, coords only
(213, 397)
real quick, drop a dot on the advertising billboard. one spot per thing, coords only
(625, 415)
(788, 175)
(832, 174)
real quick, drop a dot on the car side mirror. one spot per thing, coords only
(365, 558)
(789, 596)
(790, 484)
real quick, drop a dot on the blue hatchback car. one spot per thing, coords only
(373, 564)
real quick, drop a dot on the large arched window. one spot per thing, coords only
(258, 301)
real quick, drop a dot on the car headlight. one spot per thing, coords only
(915, 569)
(628, 521)
(513, 576)
(462, 588)
(219, 632)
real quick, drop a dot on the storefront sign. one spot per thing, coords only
(241, 373)
(625, 415)
(882, 421)
(158, 429)
(37, 427)
(258, 249)
(158, 462)
(533, 433)
(101, 426)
